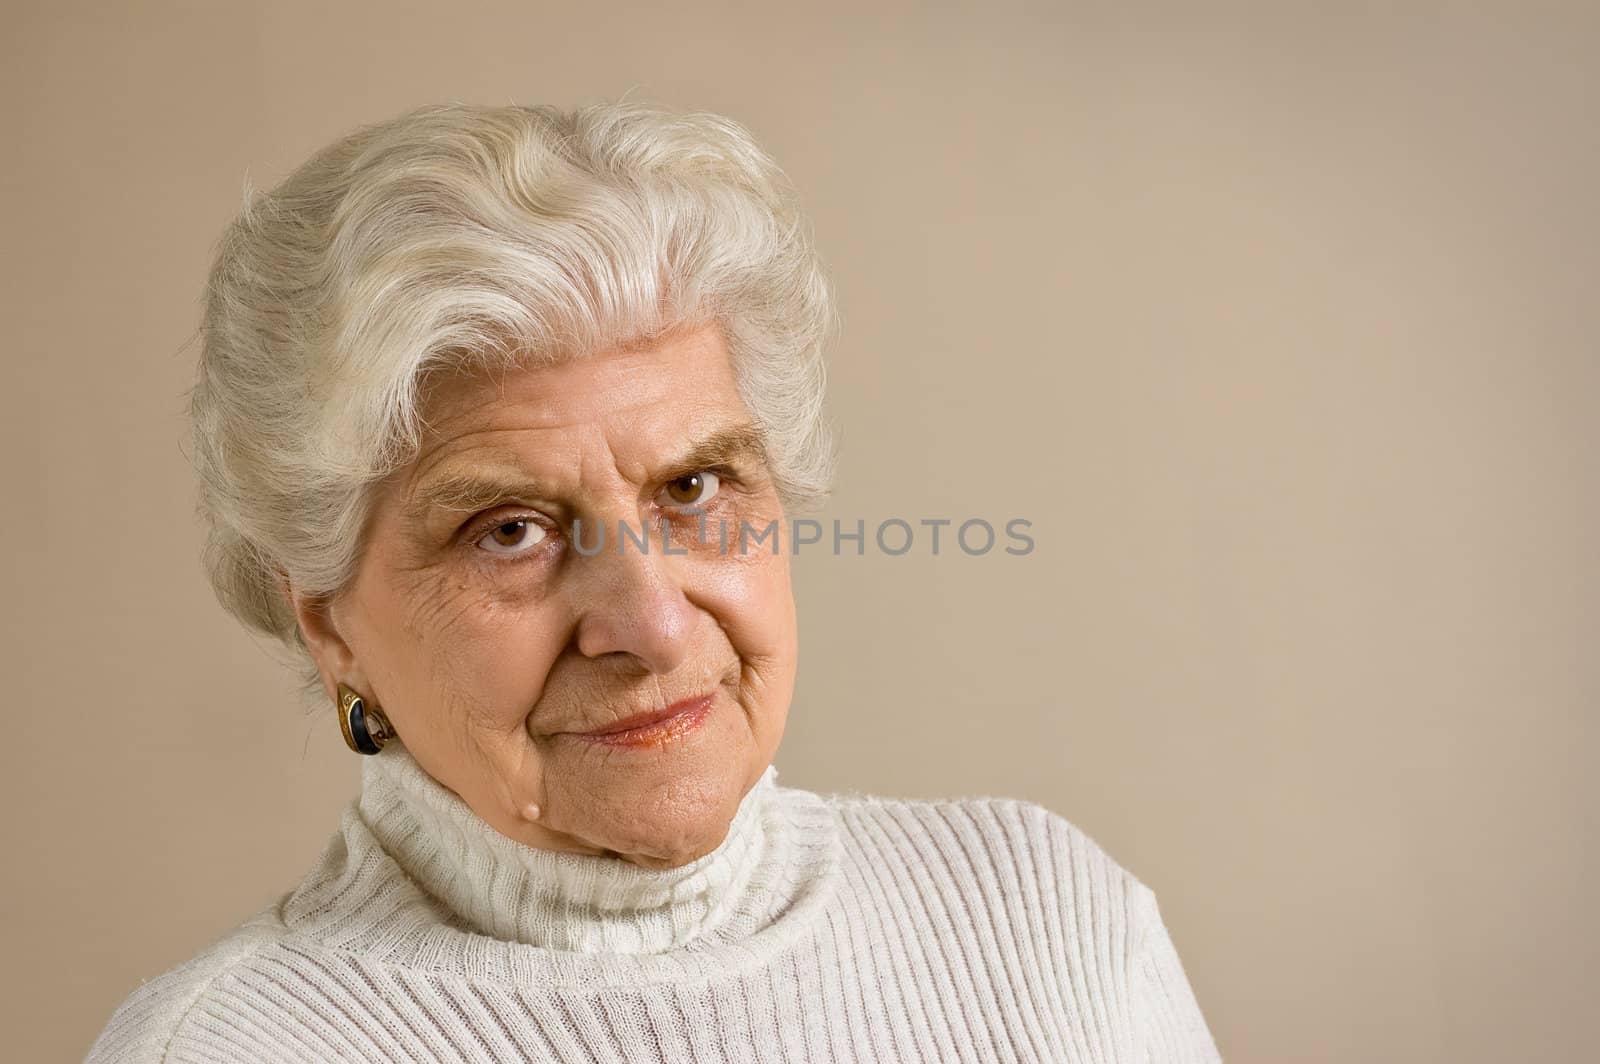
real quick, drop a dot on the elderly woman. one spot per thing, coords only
(474, 383)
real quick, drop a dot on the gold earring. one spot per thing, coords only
(365, 727)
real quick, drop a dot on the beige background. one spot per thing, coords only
(1279, 327)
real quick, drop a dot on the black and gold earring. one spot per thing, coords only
(365, 727)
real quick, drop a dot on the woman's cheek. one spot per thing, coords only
(731, 585)
(752, 599)
(502, 639)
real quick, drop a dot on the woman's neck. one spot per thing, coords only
(582, 903)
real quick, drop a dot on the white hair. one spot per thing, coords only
(458, 237)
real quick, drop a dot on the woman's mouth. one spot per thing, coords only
(655, 728)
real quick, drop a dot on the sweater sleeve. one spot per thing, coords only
(144, 1028)
(1170, 1026)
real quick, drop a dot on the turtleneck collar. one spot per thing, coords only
(582, 903)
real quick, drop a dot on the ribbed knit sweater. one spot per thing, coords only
(822, 928)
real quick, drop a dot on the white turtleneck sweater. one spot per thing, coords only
(822, 928)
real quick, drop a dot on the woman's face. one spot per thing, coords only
(492, 642)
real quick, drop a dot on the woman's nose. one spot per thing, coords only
(630, 600)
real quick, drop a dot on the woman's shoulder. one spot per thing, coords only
(1007, 827)
(1008, 878)
(143, 1025)
(988, 844)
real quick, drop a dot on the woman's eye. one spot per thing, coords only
(696, 489)
(512, 537)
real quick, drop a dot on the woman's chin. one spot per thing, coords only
(658, 807)
(672, 830)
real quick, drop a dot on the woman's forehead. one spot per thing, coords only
(637, 414)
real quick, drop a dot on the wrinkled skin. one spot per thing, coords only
(487, 646)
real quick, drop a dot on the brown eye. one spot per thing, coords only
(693, 490)
(512, 537)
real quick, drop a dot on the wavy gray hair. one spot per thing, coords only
(456, 237)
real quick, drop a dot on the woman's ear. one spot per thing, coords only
(335, 660)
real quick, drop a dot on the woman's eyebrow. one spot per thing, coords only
(727, 446)
(468, 491)
(465, 491)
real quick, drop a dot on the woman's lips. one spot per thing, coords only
(654, 728)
